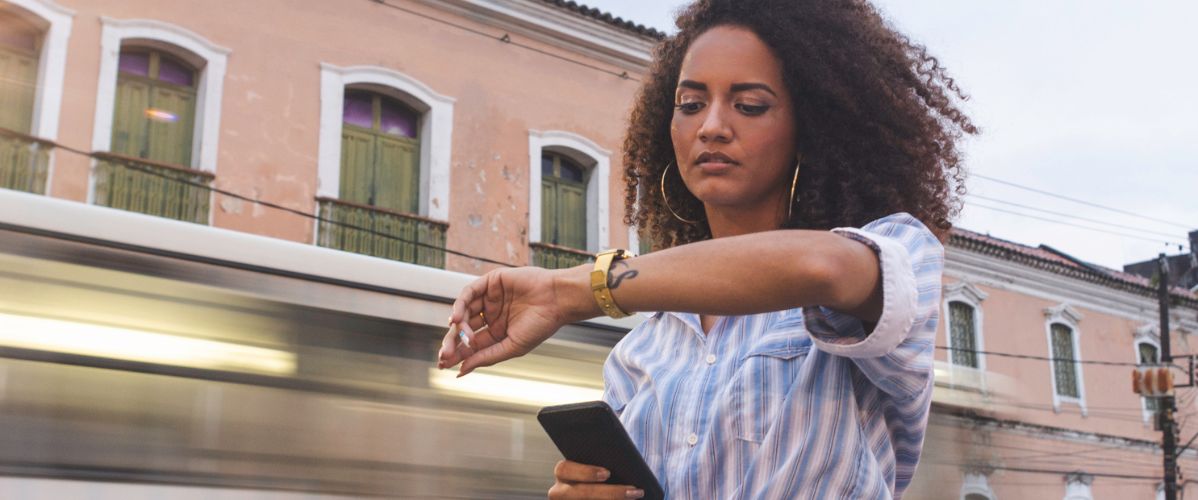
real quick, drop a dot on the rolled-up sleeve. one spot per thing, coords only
(899, 345)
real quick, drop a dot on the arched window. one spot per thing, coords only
(157, 120)
(154, 113)
(383, 164)
(568, 198)
(380, 152)
(563, 201)
(1068, 384)
(33, 35)
(962, 327)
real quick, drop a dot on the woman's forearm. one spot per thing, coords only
(747, 274)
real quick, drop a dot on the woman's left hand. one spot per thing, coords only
(505, 314)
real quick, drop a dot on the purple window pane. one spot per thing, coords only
(17, 34)
(571, 171)
(398, 119)
(172, 71)
(358, 110)
(135, 63)
(546, 166)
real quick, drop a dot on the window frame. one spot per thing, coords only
(1147, 334)
(51, 70)
(1064, 314)
(435, 131)
(207, 59)
(589, 155)
(970, 295)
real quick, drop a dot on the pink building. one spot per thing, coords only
(1010, 423)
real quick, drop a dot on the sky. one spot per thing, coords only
(1094, 100)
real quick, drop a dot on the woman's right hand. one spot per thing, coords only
(575, 480)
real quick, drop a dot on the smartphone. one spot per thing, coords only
(590, 433)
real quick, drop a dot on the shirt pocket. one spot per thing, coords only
(761, 383)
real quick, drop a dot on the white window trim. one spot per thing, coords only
(598, 184)
(965, 292)
(1065, 315)
(51, 70)
(1146, 334)
(976, 484)
(436, 131)
(113, 35)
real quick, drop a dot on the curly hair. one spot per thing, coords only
(876, 115)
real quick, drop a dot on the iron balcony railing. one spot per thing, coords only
(552, 256)
(151, 187)
(358, 228)
(24, 162)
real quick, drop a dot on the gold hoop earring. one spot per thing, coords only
(666, 200)
(793, 200)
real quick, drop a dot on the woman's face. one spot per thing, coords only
(733, 127)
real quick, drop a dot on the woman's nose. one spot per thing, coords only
(715, 127)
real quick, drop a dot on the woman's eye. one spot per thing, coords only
(689, 108)
(752, 109)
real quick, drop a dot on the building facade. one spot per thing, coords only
(1033, 378)
(491, 128)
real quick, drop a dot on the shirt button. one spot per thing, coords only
(711, 359)
(692, 439)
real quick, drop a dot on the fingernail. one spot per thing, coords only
(602, 475)
(634, 493)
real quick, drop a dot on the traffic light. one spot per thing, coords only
(1153, 381)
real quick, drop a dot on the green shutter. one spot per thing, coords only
(170, 141)
(129, 117)
(548, 210)
(572, 215)
(357, 161)
(18, 85)
(397, 171)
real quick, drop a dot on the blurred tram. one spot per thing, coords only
(148, 358)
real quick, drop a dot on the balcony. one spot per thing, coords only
(381, 233)
(24, 162)
(152, 188)
(552, 256)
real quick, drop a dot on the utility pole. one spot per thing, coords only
(1169, 441)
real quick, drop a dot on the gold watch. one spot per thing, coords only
(603, 262)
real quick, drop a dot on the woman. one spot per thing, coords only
(793, 359)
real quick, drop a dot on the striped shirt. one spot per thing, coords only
(802, 403)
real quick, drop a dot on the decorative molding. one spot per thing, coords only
(975, 483)
(964, 290)
(1063, 313)
(1077, 486)
(436, 130)
(557, 27)
(590, 155)
(212, 61)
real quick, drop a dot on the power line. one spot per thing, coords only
(134, 165)
(1062, 214)
(1054, 221)
(1040, 358)
(1083, 202)
(506, 38)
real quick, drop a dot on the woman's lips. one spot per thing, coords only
(714, 167)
